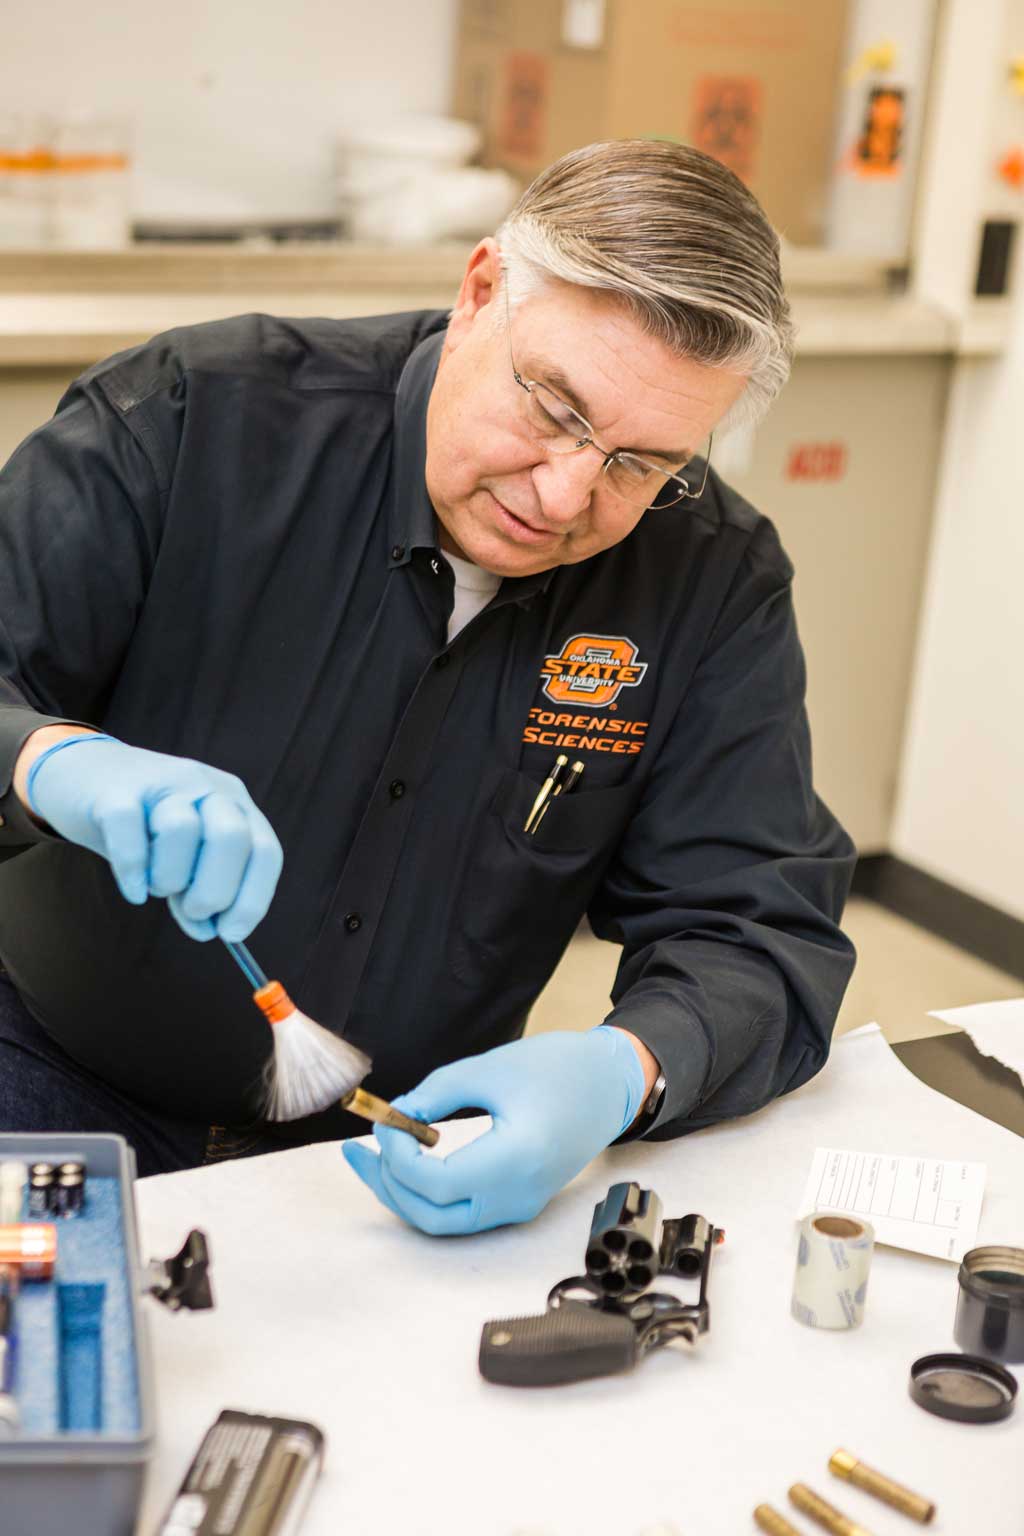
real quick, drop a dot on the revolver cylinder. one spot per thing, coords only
(622, 1252)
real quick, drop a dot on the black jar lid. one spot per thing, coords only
(963, 1387)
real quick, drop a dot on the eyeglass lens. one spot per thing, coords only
(563, 430)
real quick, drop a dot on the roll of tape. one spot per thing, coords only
(832, 1265)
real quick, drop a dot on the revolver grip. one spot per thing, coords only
(566, 1344)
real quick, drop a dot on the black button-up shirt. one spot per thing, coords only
(222, 547)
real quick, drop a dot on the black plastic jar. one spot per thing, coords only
(990, 1304)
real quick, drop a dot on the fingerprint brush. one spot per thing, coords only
(311, 1068)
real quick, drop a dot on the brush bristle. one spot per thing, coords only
(310, 1069)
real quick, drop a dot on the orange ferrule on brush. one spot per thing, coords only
(274, 1002)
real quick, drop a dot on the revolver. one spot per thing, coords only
(608, 1319)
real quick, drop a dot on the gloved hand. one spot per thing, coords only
(168, 826)
(556, 1100)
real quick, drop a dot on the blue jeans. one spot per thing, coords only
(42, 1089)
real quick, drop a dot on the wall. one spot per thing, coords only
(960, 805)
(859, 543)
(960, 809)
(235, 105)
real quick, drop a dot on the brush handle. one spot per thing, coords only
(246, 964)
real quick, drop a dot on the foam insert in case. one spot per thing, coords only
(76, 1465)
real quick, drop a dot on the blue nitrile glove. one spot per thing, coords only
(556, 1100)
(168, 826)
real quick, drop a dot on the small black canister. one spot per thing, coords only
(69, 1194)
(42, 1178)
(990, 1304)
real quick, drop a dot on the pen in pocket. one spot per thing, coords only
(562, 787)
(555, 772)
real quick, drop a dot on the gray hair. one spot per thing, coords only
(678, 238)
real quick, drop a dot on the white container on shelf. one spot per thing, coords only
(91, 198)
(26, 180)
(405, 181)
(374, 158)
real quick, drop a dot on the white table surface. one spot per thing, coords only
(329, 1309)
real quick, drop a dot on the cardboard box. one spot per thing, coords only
(752, 82)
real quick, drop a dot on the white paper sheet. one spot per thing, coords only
(328, 1308)
(924, 1204)
(997, 1029)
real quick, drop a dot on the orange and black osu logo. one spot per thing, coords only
(591, 670)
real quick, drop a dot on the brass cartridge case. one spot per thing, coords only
(771, 1521)
(359, 1102)
(815, 1507)
(843, 1465)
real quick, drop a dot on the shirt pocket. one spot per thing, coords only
(523, 896)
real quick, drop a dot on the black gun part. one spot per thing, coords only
(574, 1341)
(622, 1253)
(687, 1243)
(605, 1321)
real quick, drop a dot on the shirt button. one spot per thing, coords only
(397, 551)
(353, 922)
(396, 789)
(442, 660)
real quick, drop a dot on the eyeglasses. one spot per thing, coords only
(561, 429)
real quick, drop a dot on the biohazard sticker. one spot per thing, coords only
(726, 120)
(592, 670)
(523, 117)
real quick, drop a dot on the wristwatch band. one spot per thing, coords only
(652, 1104)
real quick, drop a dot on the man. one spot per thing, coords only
(373, 577)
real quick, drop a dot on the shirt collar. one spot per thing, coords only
(412, 522)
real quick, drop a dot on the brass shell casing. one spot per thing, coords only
(771, 1521)
(843, 1465)
(815, 1507)
(359, 1102)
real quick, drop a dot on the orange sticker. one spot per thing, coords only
(816, 461)
(524, 106)
(726, 120)
(592, 670)
(1011, 168)
(879, 149)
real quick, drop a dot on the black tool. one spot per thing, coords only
(606, 1320)
(184, 1281)
(251, 1476)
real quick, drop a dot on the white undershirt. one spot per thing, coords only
(474, 588)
